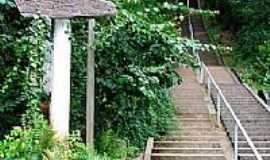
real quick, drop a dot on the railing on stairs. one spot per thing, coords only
(224, 110)
(226, 113)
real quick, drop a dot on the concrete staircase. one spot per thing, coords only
(253, 116)
(195, 135)
(209, 58)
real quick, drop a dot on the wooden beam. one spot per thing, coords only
(90, 99)
(60, 100)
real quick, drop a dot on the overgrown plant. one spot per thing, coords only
(24, 45)
(136, 54)
(249, 22)
(37, 141)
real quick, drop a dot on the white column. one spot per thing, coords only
(90, 99)
(60, 98)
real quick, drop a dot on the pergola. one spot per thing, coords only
(61, 11)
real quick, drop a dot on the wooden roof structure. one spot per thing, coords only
(66, 8)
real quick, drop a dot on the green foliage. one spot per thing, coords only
(37, 141)
(23, 48)
(258, 71)
(249, 20)
(136, 54)
(27, 142)
(114, 147)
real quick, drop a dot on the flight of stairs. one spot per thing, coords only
(253, 116)
(208, 57)
(194, 136)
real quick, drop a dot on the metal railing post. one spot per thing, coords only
(235, 141)
(202, 74)
(209, 86)
(218, 108)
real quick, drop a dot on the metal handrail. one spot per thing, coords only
(220, 96)
(238, 124)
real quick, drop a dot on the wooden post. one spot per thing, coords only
(90, 99)
(199, 4)
(60, 100)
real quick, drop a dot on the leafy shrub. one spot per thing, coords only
(249, 21)
(26, 142)
(37, 141)
(136, 54)
(114, 147)
(23, 48)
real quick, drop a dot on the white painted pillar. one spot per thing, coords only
(90, 96)
(60, 98)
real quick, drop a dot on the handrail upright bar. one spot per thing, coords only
(236, 141)
(218, 109)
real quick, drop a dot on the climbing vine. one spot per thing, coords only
(136, 53)
(24, 45)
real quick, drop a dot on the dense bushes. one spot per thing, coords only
(136, 53)
(23, 48)
(135, 57)
(37, 141)
(250, 21)
(133, 83)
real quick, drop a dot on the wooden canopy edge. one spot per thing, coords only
(66, 8)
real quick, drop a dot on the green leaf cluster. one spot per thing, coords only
(249, 21)
(38, 142)
(136, 55)
(24, 44)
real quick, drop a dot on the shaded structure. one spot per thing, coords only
(61, 11)
(66, 8)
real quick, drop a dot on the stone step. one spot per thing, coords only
(251, 119)
(191, 106)
(250, 128)
(193, 138)
(239, 102)
(181, 119)
(260, 150)
(186, 144)
(252, 156)
(255, 138)
(190, 101)
(196, 127)
(192, 115)
(186, 156)
(240, 112)
(201, 133)
(188, 150)
(192, 131)
(247, 116)
(191, 126)
(259, 144)
(254, 134)
(183, 96)
(249, 125)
